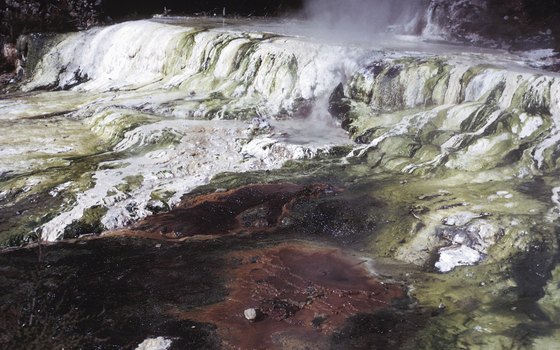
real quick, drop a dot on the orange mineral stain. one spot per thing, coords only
(302, 294)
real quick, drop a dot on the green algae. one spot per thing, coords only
(51, 183)
(181, 49)
(470, 74)
(55, 193)
(90, 223)
(481, 306)
(435, 86)
(550, 303)
(160, 197)
(131, 184)
(111, 124)
(35, 46)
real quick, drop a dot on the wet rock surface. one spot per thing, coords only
(123, 291)
(244, 210)
(303, 288)
(302, 294)
(89, 295)
(301, 285)
(512, 25)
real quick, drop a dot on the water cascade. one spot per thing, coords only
(443, 158)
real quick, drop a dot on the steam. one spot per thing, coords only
(362, 17)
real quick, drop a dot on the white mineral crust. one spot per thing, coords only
(159, 343)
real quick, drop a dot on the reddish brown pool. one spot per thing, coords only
(302, 292)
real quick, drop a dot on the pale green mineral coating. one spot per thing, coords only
(550, 303)
(490, 117)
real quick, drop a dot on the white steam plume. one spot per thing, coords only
(360, 17)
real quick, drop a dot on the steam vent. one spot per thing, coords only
(287, 174)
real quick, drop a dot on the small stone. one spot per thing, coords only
(286, 221)
(250, 314)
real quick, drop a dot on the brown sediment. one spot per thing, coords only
(302, 293)
(247, 209)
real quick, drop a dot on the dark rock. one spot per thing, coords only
(380, 330)
(19, 17)
(340, 106)
(113, 293)
(302, 108)
(246, 209)
(516, 25)
(107, 294)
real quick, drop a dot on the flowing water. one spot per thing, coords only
(461, 145)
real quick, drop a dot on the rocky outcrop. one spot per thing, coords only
(25, 16)
(519, 24)
(19, 17)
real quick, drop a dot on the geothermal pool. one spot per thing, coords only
(164, 176)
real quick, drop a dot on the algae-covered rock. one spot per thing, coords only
(550, 303)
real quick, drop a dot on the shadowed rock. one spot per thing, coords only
(246, 209)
